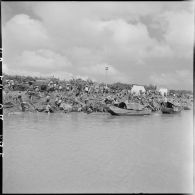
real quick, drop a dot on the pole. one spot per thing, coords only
(106, 69)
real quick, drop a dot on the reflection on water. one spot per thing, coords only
(63, 153)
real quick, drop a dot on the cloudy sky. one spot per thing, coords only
(140, 42)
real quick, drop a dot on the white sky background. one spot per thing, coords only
(141, 42)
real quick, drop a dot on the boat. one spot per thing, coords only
(170, 108)
(187, 108)
(8, 105)
(174, 110)
(125, 112)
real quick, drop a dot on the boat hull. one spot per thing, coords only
(187, 108)
(174, 110)
(124, 112)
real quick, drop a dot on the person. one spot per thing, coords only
(122, 105)
(67, 87)
(30, 90)
(106, 89)
(80, 108)
(106, 100)
(59, 101)
(86, 89)
(89, 109)
(56, 100)
(60, 88)
(9, 84)
(50, 84)
(12, 84)
(115, 102)
(47, 98)
(37, 89)
(22, 103)
(165, 98)
(48, 108)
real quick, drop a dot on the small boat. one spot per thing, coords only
(187, 108)
(125, 112)
(8, 105)
(170, 108)
(174, 110)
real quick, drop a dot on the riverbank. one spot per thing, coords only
(63, 101)
(28, 94)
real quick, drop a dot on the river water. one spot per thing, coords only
(95, 153)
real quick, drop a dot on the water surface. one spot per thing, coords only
(76, 152)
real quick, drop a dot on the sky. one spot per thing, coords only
(140, 42)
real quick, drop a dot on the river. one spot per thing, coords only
(95, 153)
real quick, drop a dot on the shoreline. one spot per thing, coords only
(84, 97)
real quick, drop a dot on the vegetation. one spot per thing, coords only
(150, 87)
(21, 83)
(118, 85)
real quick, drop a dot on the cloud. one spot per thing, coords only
(129, 34)
(180, 32)
(99, 69)
(40, 61)
(22, 32)
(184, 73)
(58, 74)
(111, 75)
(177, 80)
(136, 39)
(5, 68)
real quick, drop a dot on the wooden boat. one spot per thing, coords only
(125, 112)
(8, 105)
(187, 108)
(170, 108)
(166, 110)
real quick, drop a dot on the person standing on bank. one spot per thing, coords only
(23, 104)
